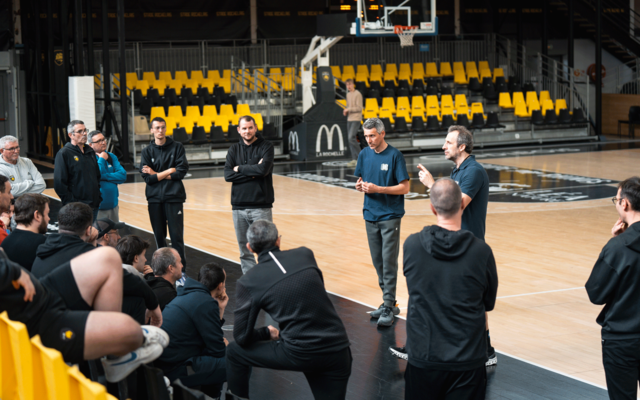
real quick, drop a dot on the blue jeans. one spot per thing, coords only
(242, 219)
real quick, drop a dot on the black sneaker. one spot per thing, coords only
(377, 313)
(400, 352)
(492, 358)
(386, 318)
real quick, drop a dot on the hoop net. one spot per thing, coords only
(405, 33)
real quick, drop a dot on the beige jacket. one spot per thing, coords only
(354, 106)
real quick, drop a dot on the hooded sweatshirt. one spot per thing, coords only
(163, 289)
(111, 174)
(193, 323)
(23, 176)
(76, 176)
(615, 282)
(160, 158)
(57, 249)
(452, 282)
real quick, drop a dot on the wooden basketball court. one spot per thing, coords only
(544, 250)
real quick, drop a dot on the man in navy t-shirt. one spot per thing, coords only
(474, 184)
(383, 178)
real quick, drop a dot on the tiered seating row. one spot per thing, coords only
(206, 118)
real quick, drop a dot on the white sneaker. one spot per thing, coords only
(153, 334)
(117, 369)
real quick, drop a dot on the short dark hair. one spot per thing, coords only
(261, 235)
(464, 137)
(630, 190)
(211, 275)
(349, 80)
(162, 259)
(3, 179)
(26, 205)
(247, 118)
(75, 217)
(446, 197)
(131, 246)
(158, 119)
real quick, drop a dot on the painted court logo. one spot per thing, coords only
(329, 133)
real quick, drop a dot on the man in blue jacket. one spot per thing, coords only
(111, 174)
(193, 320)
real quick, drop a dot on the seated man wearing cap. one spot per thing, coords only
(108, 232)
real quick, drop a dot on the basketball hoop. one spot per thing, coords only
(405, 33)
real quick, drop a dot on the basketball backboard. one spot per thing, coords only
(376, 20)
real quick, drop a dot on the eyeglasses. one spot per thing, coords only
(82, 131)
(100, 141)
(615, 200)
(13, 148)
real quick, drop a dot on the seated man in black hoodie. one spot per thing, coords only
(167, 269)
(287, 285)
(194, 322)
(452, 281)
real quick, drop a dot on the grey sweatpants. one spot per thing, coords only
(354, 145)
(242, 220)
(384, 245)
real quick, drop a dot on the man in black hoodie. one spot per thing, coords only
(164, 166)
(287, 285)
(615, 282)
(76, 176)
(248, 167)
(452, 281)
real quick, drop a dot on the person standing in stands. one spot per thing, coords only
(383, 178)
(32, 217)
(111, 174)
(76, 176)
(163, 167)
(249, 167)
(23, 175)
(615, 282)
(353, 112)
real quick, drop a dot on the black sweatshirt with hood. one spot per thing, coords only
(160, 158)
(76, 176)
(452, 282)
(615, 282)
(252, 185)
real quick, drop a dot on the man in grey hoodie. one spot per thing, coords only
(452, 281)
(23, 175)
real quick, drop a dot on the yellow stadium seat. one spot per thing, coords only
(182, 75)
(234, 119)
(446, 105)
(376, 78)
(544, 95)
(149, 77)
(432, 102)
(259, 121)
(376, 69)
(531, 96)
(362, 78)
(223, 122)
(82, 388)
(418, 113)
(560, 104)
(520, 106)
(208, 84)
(172, 123)
(215, 75)
(160, 85)
(533, 105)
(157, 112)
(176, 85)
(403, 108)
(193, 85)
(461, 100)
(405, 68)
(417, 71)
(342, 103)
(50, 372)
(226, 109)
(197, 75)
(17, 369)
(370, 108)
(432, 70)
(459, 77)
(226, 73)
(362, 69)
(389, 104)
(417, 103)
(476, 108)
(193, 112)
(188, 122)
(546, 106)
(165, 76)
(288, 84)
(445, 70)
(483, 65)
(497, 72)
(243, 109)
(471, 68)
(391, 76)
(175, 112)
(386, 113)
(335, 70)
(348, 72)
(132, 80)
(205, 121)
(485, 73)
(505, 101)
(143, 86)
(458, 65)
(472, 73)
(463, 109)
(434, 112)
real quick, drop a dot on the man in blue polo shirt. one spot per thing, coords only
(474, 184)
(383, 178)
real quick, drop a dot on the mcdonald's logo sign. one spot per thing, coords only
(330, 153)
(294, 142)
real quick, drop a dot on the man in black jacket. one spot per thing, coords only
(248, 167)
(167, 269)
(76, 176)
(287, 285)
(452, 281)
(164, 166)
(615, 282)
(32, 218)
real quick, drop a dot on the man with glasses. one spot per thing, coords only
(615, 282)
(111, 174)
(76, 176)
(22, 174)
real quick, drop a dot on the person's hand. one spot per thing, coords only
(93, 237)
(370, 188)
(24, 281)
(104, 155)
(345, 112)
(260, 162)
(274, 333)
(235, 168)
(226, 342)
(147, 270)
(223, 299)
(425, 176)
(359, 184)
(154, 317)
(6, 220)
(619, 227)
(147, 170)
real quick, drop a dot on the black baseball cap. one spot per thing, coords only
(105, 225)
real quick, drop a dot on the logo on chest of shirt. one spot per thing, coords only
(384, 167)
(13, 178)
(153, 160)
(76, 158)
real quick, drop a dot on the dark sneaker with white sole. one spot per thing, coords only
(377, 313)
(400, 352)
(492, 358)
(386, 318)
